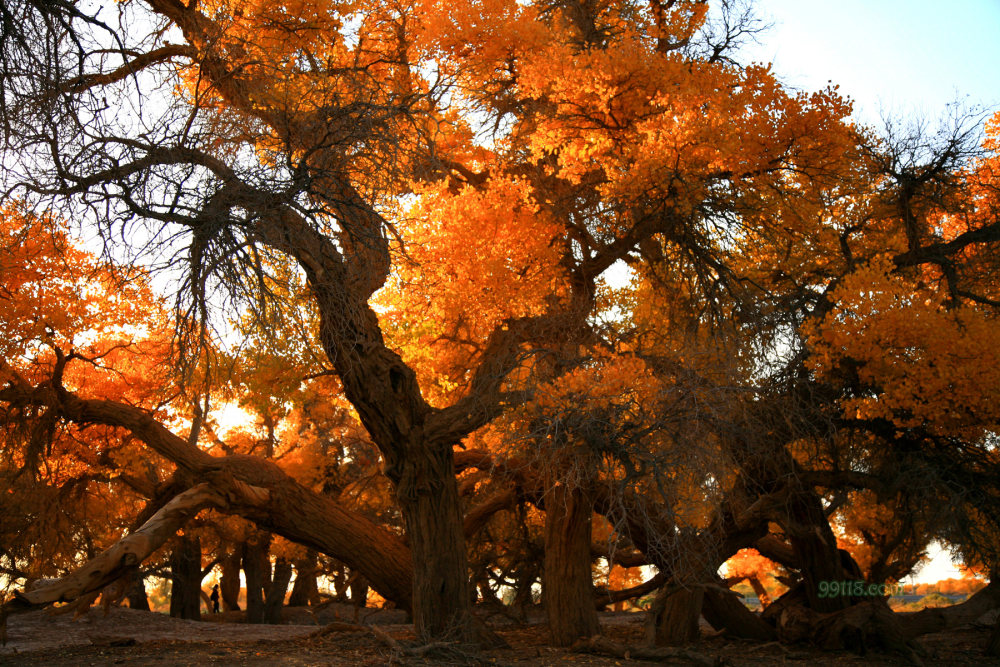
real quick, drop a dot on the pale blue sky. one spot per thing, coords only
(904, 56)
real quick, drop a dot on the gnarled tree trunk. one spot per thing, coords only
(257, 571)
(428, 498)
(276, 591)
(675, 615)
(137, 598)
(567, 582)
(725, 610)
(304, 590)
(229, 582)
(185, 578)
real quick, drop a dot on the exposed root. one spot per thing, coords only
(603, 646)
(442, 652)
(861, 628)
(338, 626)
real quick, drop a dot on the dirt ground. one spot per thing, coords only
(143, 638)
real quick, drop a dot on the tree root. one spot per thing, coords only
(860, 628)
(337, 626)
(438, 650)
(603, 646)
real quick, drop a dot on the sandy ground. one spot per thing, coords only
(144, 638)
(41, 631)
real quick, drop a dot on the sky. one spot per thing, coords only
(906, 57)
(901, 58)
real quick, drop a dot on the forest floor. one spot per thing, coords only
(145, 638)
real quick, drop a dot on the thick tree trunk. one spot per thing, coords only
(427, 493)
(276, 592)
(137, 598)
(229, 583)
(993, 645)
(305, 590)
(340, 582)
(359, 592)
(567, 582)
(861, 628)
(673, 620)
(257, 571)
(185, 579)
(815, 550)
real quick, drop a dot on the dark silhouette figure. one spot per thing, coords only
(214, 597)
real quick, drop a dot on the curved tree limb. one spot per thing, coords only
(253, 488)
(120, 558)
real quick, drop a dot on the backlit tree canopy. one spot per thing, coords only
(394, 228)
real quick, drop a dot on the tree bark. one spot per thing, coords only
(304, 590)
(359, 592)
(675, 616)
(229, 582)
(257, 571)
(185, 579)
(137, 598)
(276, 592)
(567, 582)
(945, 618)
(427, 493)
(724, 610)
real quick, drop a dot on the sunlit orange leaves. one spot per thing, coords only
(920, 362)
(472, 260)
(55, 296)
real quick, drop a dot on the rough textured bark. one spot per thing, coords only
(276, 591)
(385, 393)
(863, 627)
(229, 583)
(567, 582)
(185, 578)
(816, 552)
(257, 571)
(305, 590)
(724, 610)
(428, 497)
(673, 620)
(137, 598)
(359, 592)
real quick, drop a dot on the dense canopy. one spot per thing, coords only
(503, 288)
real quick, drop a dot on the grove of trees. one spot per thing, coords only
(389, 232)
